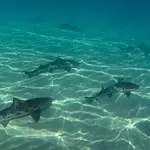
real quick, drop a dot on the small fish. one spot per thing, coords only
(21, 108)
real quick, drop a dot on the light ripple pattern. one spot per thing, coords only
(117, 123)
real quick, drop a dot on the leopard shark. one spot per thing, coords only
(141, 48)
(144, 48)
(58, 63)
(129, 49)
(21, 108)
(35, 20)
(120, 86)
(70, 27)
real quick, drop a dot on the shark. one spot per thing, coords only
(120, 86)
(144, 48)
(35, 20)
(141, 48)
(21, 108)
(58, 63)
(70, 27)
(128, 49)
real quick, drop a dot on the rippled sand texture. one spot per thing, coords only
(117, 123)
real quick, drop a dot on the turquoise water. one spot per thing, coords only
(116, 123)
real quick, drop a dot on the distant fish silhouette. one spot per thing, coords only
(36, 20)
(120, 86)
(70, 27)
(21, 108)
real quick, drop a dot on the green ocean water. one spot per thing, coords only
(116, 123)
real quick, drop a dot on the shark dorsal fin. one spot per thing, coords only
(17, 102)
(36, 115)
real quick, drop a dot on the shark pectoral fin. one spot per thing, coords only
(109, 94)
(36, 115)
(4, 123)
(127, 93)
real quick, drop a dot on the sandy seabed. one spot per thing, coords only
(116, 123)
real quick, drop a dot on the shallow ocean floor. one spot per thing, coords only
(116, 123)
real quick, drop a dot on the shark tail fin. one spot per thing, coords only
(4, 123)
